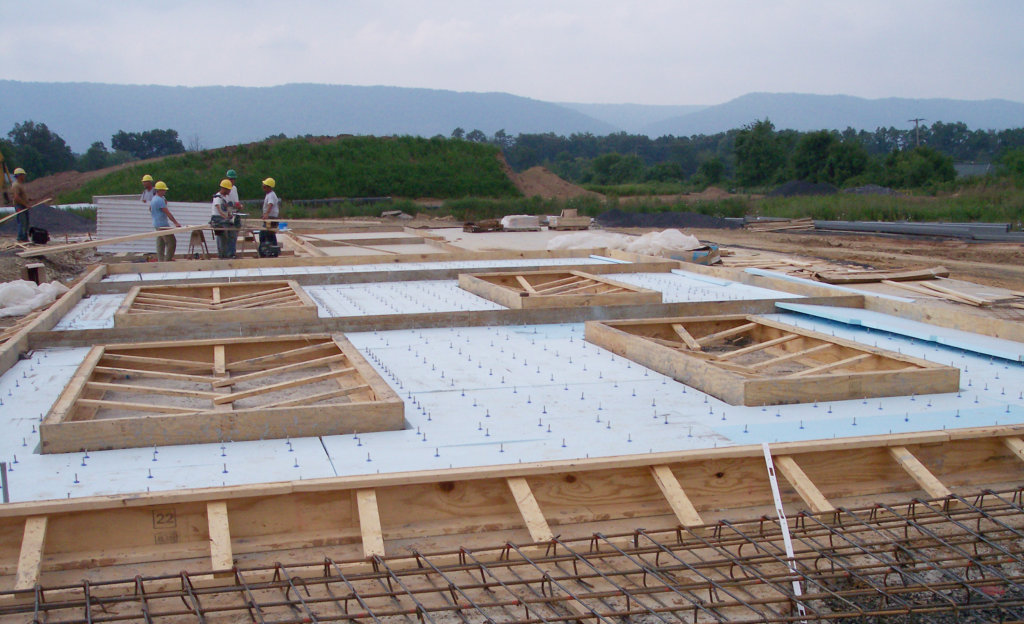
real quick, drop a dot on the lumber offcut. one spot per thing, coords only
(42, 251)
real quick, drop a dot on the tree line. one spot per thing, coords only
(36, 148)
(758, 155)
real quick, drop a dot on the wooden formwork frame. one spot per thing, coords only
(554, 289)
(190, 394)
(527, 502)
(191, 304)
(699, 352)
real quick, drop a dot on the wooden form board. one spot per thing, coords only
(530, 502)
(267, 301)
(554, 289)
(748, 360)
(155, 394)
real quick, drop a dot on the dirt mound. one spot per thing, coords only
(800, 187)
(55, 220)
(538, 181)
(620, 218)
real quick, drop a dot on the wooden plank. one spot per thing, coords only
(369, 523)
(795, 355)
(30, 561)
(284, 385)
(824, 368)
(136, 407)
(810, 494)
(113, 387)
(726, 333)
(686, 337)
(529, 509)
(978, 301)
(758, 347)
(1016, 445)
(42, 251)
(527, 286)
(677, 499)
(276, 290)
(260, 361)
(862, 277)
(284, 368)
(221, 556)
(157, 361)
(128, 373)
(918, 472)
(316, 398)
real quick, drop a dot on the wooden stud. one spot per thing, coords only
(284, 385)
(284, 368)
(369, 523)
(796, 355)
(1016, 445)
(726, 333)
(527, 286)
(42, 251)
(529, 509)
(221, 557)
(136, 407)
(824, 368)
(30, 560)
(810, 494)
(131, 388)
(677, 499)
(918, 472)
(686, 337)
(758, 347)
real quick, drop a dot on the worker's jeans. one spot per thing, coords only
(22, 218)
(165, 246)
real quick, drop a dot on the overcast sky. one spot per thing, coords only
(608, 51)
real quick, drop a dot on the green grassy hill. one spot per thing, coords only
(322, 168)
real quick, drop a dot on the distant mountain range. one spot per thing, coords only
(82, 113)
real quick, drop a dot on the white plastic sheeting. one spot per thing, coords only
(652, 243)
(20, 297)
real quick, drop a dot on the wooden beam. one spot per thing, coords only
(137, 407)
(686, 337)
(284, 368)
(259, 362)
(42, 251)
(918, 472)
(284, 385)
(824, 368)
(759, 346)
(30, 561)
(677, 499)
(127, 373)
(810, 494)
(527, 286)
(315, 398)
(113, 387)
(726, 333)
(793, 356)
(221, 557)
(369, 523)
(1016, 445)
(529, 510)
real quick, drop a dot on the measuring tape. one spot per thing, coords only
(784, 523)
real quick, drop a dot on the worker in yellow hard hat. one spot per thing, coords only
(21, 203)
(271, 211)
(147, 189)
(162, 219)
(222, 220)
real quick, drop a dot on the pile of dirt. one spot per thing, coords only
(800, 187)
(540, 182)
(55, 220)
(620, 218)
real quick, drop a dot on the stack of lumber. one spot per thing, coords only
(833, 276)
(941, 288)
(778, 226)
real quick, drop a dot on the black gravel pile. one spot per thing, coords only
(55, 220)
(799, 187)
(620, 218)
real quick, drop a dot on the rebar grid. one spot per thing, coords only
(885, 563)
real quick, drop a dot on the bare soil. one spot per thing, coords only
(540, 182)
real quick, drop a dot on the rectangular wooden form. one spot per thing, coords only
(199, 304)
(155, 394)
(554, 289)
(748, 360)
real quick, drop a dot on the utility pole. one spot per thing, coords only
(917, 129)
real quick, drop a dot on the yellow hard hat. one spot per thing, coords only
(160, 186)
(147, 178)
(19, 171)
(226, 184)
(270, 182)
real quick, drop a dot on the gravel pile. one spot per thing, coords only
(799, 187)
(55, 220)
(620, 218)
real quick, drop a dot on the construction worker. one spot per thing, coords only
(233, 195)
(162, 219)
(21, 204)
(222, 221)
(147, 189)
(271, 210)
